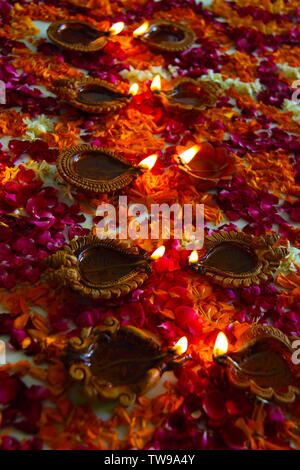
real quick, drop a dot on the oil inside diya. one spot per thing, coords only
(166, 35)
(99, 268)
(234, 259)
(95, 169)
(91, 95)
(206, 166)
(190, 94)
(94, 93)
(116, 362)
(231, 257)
(263, 364)
(79, 35)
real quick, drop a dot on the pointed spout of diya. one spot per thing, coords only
(194, 262)
(178, 352)
(115, 29)
(175, 356)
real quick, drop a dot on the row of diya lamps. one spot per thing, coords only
(97, 170)
(116, 362)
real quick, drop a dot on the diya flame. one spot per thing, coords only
(221, 345)
(141, 29)
(116, 28)
(133, 89)
(189, 154)
(148, 162)
(156, 83)
(159, 252)
(181, 346)
(193, 258)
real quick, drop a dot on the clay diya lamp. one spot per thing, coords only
(165, 35)
(114, 362)
(80, 36)
(206, 166)
(235, 259)
(98, 170)
(91, 95)
(99, 268)
(187, 94)
(262, 363)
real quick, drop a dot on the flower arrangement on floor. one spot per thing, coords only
(251, 50)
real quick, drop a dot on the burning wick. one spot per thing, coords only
(220, 352)
(141, 29)
(116, 28)
(148, 162)
(177, 350)
(221, 345)
(156, 83)
(193, 258)
(189, 154)
(158, 253)
(181, 346)
(133, 89)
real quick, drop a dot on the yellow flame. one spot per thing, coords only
(221, 344)
(181, 345)
(159, 252)
(156, 83)
(189, 154)
(134, 89)
(149, 162)
(193, 258)
(116, 28)
(141, 29)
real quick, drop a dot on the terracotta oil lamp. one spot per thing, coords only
(91, 95)
(98, 170)
(114, 362)
(206, 166)
(261, 363)
(165, 35)
(80, 36)
(99, 268)
(188, 95)
(235, 259)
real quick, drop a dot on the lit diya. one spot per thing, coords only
(116, 362)
(235, 259)
(99, 268)
(262, 363)
(98, 170)
(206, 166)
(188, 94)
(165, 35)
(81, 36)
(92, 95)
